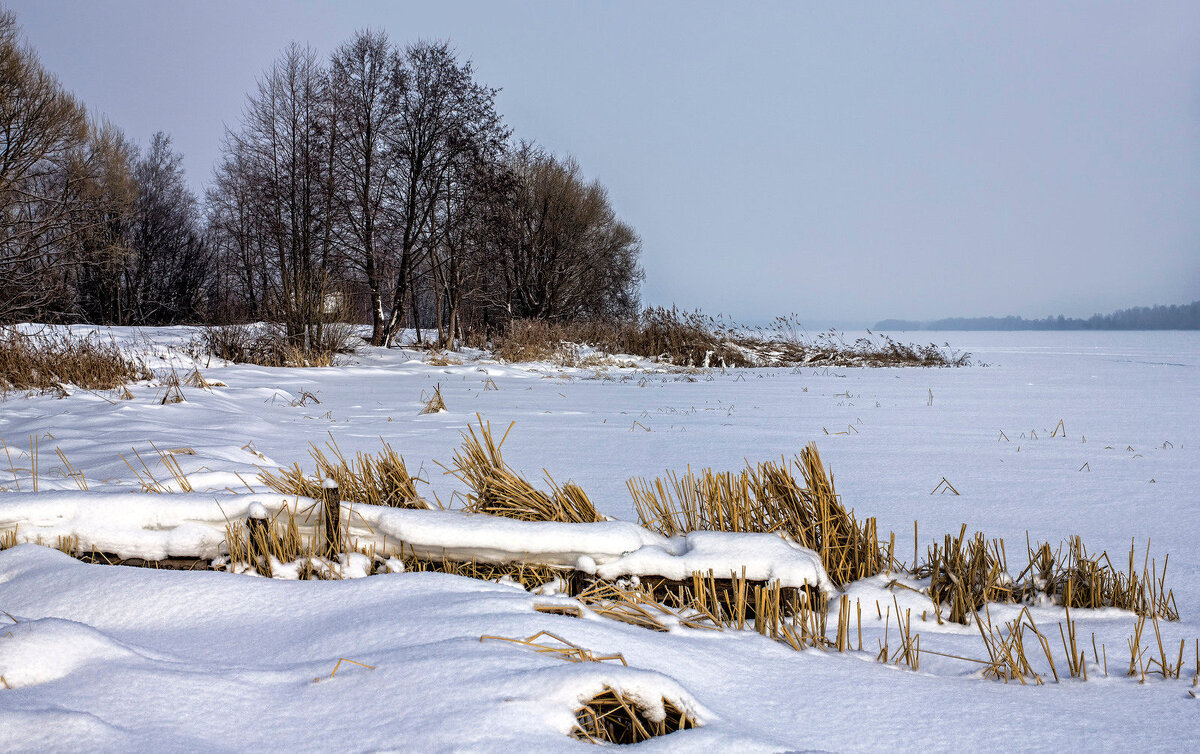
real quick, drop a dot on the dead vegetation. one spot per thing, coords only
(268, 345)
(766, 498)
(379, 479)
(497, 490)
(965, 575)
(434, 404)
(50, 359)
(612, 717)
(693, 339)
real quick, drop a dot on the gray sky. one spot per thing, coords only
(846, 162)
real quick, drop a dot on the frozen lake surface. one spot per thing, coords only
(129, 658)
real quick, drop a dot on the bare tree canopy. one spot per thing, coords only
(377, 184)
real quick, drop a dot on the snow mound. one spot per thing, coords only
(43, 650)
(765, 557)
(137, 525)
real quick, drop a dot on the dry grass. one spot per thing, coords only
(967, 574)
(434, 404)
(269, 346)
(497, 490)
(613, 718)
(693, 339)
(380, 479)
(561, 648)
(666, 335)
(766, 498)
(52, 358)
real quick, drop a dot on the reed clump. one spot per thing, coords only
(497, 490)
(1079, 580)
(268, 345)
(611, 717)
(434, 404)
(967, 574)
(378, 479)
(694, 339)
(767, 497)
(51, 358)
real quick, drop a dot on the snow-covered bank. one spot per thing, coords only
(156, 526)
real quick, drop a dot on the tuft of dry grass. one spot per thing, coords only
(497, 490)
(51, 358)
(434, 404)
(766, 498)
(380, 479)
(612, 717)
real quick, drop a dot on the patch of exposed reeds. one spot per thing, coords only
(497, 490)
(611, 717)
(50, 359)
(379, 479)
(269, 345)
(967, 574)
(766, 498)
(694, 339)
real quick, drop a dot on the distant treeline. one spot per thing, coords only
(1174, 317)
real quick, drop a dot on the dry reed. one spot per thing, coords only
(434, 404)
(611, 717)
(380, 479)
(766, 498)
(497, 490)
(51, 358)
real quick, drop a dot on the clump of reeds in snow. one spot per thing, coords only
(438, 358)
(269, 345)
(380, 479)
(967, 574)
(616, 718)
(966, 578)
(698, 340)
(497, 490)
(50, 358)
(766, 498)
(174, 390)
(434, 404)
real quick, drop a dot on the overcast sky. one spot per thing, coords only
(846, 162)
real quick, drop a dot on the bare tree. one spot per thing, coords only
(43, 130)
(104, 199)
(169, 267)
(445, 116)
(367, 79)
(568, 255)
(277, 178)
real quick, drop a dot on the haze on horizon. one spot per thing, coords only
(848, 164)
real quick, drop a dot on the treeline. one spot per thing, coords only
(379, 184)
(1173, 317)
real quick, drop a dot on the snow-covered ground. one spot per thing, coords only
(119, 657)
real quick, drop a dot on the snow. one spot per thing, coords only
(129, 658)
(192, 525)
